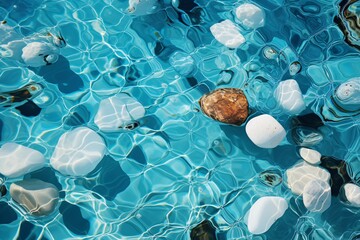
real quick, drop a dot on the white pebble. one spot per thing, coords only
(118, 111)
(352, 193)
(250, 15)
(347, 95)
(264, 213)
(288, 95)
(227, 34)
(317, 195)
(265, 131)
(302, 173)
(311, 156)
(78, 152)
(17, 160)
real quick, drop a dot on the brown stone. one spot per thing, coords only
(227, 105)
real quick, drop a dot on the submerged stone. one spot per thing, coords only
(118, 112)
(250, 15)
(227, 34)
(204, 231)
(317, 195)
(288, 95)
(347, 95)
(310, 155)
(182, 62)
(3, 190)
(29, 91)
(17, 160)
(352, 194)
(227, 105)
(338, 172)
(265, 131)
(308, 120)
(37, 197)
(302, 173)
(73, 219)
(271, 178)
(264, 213)
(78, 152)
(306, 136)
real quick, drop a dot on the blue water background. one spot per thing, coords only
(179, 167)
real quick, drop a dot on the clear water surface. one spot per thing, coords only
(178, 167)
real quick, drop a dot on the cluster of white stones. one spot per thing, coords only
(228, 34)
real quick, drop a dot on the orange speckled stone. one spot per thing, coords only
(227, 105)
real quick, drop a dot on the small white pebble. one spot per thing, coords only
(311, 156)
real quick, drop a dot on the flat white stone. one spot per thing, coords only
(302, 173)
(264, 213)
(289, 97)
(37, 197)
(317, 195)
(265, 131)
(250, 15)
(227, 34)
(311, 156)
(78, 152)
(118, 111)
(347, 95)
(36, 54)
(352, 193)
(17, 160)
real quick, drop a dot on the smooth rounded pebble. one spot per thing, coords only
(352, 193)
(182, 62)
(264, 213)
(37, 197)
(289, 97)
(317, 195)
(17, 160)
(250, 15)
(347, 95)
(302, 173)
(227, 105)
(311, 156)
(117, 112)
(78, 152)
(227, 34)
(265, 131)
(142, 7)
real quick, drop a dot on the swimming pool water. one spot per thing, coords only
(178, 167)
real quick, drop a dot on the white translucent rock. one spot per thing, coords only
(264, 213)
(78, 152)
(265, 131)
(352, 193)
(347, 95)
(311, 156)
(17, 160)
(142, 7)
(250, 15)
(227, 34)
(317, 195)
(37, 197)
(183, 63)
(36, 54)
(116, 112)
(288, 95)
(302, 173)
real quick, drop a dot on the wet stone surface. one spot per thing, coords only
(226, 105)
(271, 178)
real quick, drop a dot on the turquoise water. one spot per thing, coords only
(178, 167)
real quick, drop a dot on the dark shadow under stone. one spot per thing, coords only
(108, 179)
(204, 231)
(338, 173)
(7, 215)
(28, 231)
(73, 219)
(29, 109)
